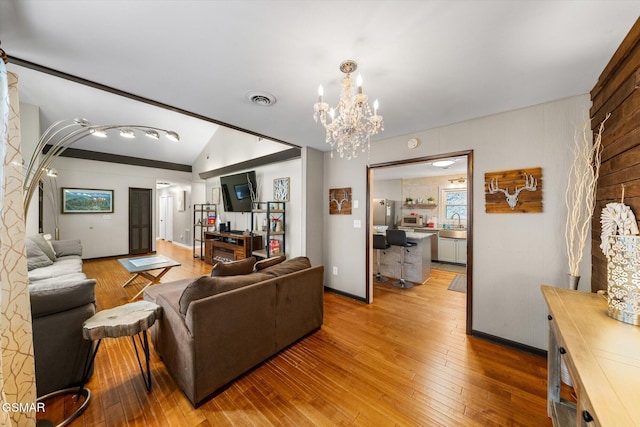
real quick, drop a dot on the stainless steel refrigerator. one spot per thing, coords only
(384, 212)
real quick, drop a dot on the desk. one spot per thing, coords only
(141, 267)
(602, 356)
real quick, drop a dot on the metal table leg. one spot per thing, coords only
(145, 348)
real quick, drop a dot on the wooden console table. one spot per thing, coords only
(602, 356)
(230, 246)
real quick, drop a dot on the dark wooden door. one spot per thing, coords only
(139, 221)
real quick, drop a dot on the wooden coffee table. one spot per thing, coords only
(140, 266)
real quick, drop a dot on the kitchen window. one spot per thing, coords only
(455, 202)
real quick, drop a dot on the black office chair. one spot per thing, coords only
(399, 238)
(379, 244)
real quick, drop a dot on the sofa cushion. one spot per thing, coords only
(206, 286)
(67, 247)
(233, 268)
(61, 267)
(36, 258)
(40, 241)
(265, 263)
(71, 277)
(54, 297)
(288, 266)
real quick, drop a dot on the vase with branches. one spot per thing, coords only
(580, 196)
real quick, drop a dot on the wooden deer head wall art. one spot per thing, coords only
(513, 191)
(340, 201)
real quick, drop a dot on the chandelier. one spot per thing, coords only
(352, 123)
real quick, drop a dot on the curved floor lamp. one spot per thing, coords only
(61, 135)
(53, 142)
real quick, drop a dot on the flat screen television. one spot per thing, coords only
(236, 191)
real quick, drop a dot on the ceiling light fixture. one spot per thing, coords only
(127, 133)
(152, 134)
(60, 136)
(99, 133)
(443, 163)
(349, 131)
(172, 136)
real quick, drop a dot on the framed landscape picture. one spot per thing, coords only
(85, 200)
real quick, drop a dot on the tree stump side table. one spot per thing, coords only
(131, 320)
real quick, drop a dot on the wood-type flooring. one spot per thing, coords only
(402, 361)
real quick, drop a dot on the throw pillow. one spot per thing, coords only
(67, 247)
(205, 286)
(233, 268)
(36, 258)
(289, 266)
(265, 263)
(39, 240)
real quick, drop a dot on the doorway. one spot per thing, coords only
(441, 211)
(165, 218)
(140, 221)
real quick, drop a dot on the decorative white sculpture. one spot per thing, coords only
(531, 184)
(616, 218)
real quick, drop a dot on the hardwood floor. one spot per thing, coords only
(402, 361)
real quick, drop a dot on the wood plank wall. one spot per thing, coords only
(616, 92)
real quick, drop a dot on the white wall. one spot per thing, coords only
(313, 202)
(106, 235)
(513, 253)
(228, 146)
(388, 189)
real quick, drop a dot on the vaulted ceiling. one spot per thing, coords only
(430, 63)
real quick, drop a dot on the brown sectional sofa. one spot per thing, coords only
(243, 321)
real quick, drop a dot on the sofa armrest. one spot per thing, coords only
(67, 247)
(49, 298)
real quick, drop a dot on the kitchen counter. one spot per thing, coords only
(417, 259)
(418, 235)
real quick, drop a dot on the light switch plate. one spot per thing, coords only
(355, 204)
(357, 223)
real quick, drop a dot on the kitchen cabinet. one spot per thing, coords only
(452, 250)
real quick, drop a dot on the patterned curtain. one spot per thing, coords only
(17, 376)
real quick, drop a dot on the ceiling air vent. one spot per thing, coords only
(263, 99)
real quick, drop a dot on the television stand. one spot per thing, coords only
(232, 245)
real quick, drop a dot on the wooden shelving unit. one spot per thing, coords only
(205, 217)
(420, 205)
(275, 237)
